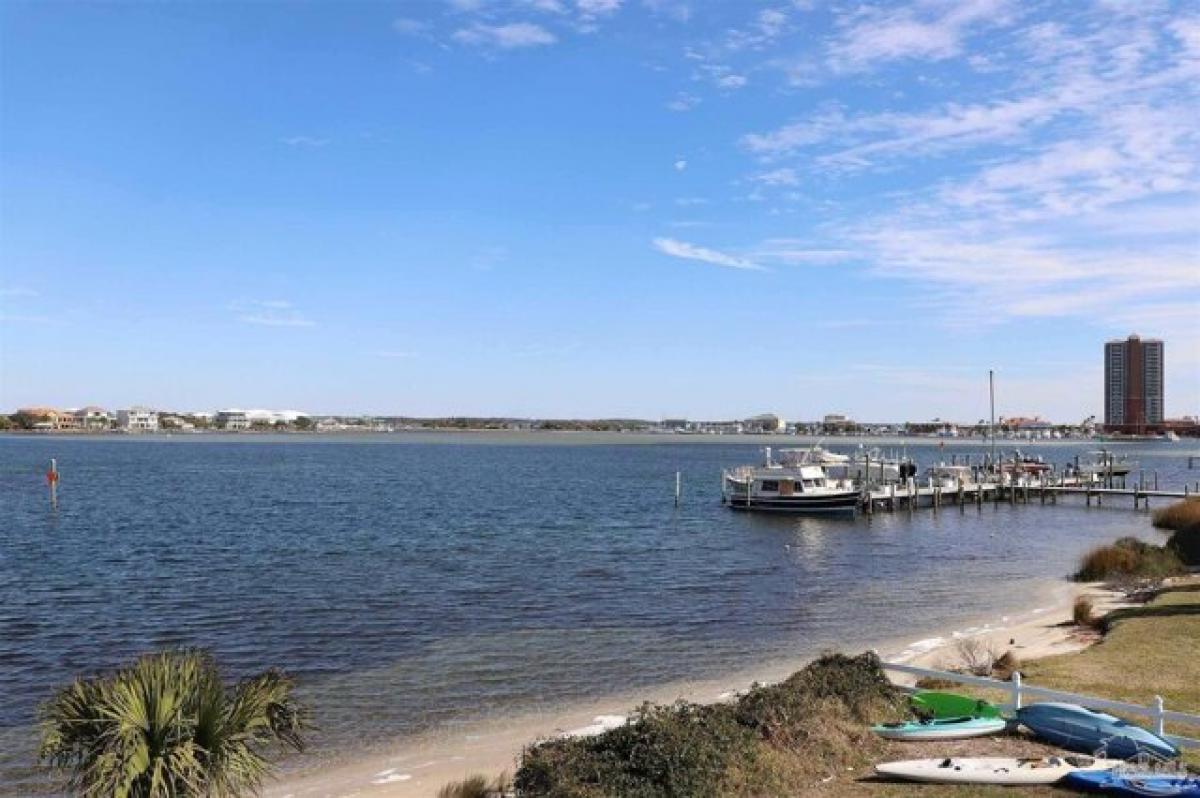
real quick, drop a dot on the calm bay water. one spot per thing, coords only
(414, 580)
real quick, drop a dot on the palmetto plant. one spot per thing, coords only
(168, 727)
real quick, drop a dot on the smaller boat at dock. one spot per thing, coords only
(794, 484)
(1106, 464)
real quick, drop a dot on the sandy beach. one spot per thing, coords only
(419, 766)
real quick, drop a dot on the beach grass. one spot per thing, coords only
(1129, 558)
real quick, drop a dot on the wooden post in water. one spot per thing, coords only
(1156, 479)
(678, 485)
(52, 479)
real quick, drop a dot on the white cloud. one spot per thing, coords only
(934, 30)
(408, 26)
(676, 10)
(304, 141)
(731, 81)
(506, 37)
(683, 102)
(682, 249)
(597, 8)
(18, 292)
(680, 165)
(785, 176)
(547, 6)
(269, 313)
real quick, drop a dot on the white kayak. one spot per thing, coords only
(1043, 770)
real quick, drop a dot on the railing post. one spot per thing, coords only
(1158, 715)
(1016, 690)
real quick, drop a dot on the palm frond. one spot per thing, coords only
(167, 727)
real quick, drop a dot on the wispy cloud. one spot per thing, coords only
(26, 318)
(598, 8)
(680, 165)
(395, 354)
(409, 27)
(304, 141)
(933, 30)
(777, 177)
(510, 36)
(16, 292)
(684, 101)
(687, 251)
(269, 313)
(487, 258)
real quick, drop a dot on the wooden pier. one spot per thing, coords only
(911, 496)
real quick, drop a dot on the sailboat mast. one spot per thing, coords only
(992, 422)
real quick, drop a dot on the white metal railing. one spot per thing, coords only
(1019, 691)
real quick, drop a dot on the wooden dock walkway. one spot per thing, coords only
(911, 496)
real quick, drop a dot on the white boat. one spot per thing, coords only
(1105, 463)
(1042, 770)
(949, 477)
(793, 485)
(1171, 435)
(813, 455)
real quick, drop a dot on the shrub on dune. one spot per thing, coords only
(1183, 518)
(1128, 557)
(772, 738)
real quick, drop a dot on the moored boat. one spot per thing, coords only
(1104, 464)
(792, 485)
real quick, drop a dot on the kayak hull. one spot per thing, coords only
(992, 770)
(944, 729)
(951, 705)
(1135, 784)
(1084, 730)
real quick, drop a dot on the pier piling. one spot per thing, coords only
(52, 480)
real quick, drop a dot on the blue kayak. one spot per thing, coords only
(1085, 730)
(1140, 784)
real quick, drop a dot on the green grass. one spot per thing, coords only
(1148, 651)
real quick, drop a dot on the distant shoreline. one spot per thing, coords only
(576, 436)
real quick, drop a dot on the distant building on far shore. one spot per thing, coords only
(766, 422)
(93, 418)
(232, 420)
(1133, 384)
(138, 419)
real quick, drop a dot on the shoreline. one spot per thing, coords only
(421, 764)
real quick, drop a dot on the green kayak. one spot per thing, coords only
(930, 704)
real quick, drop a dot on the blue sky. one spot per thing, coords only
(597, 207)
